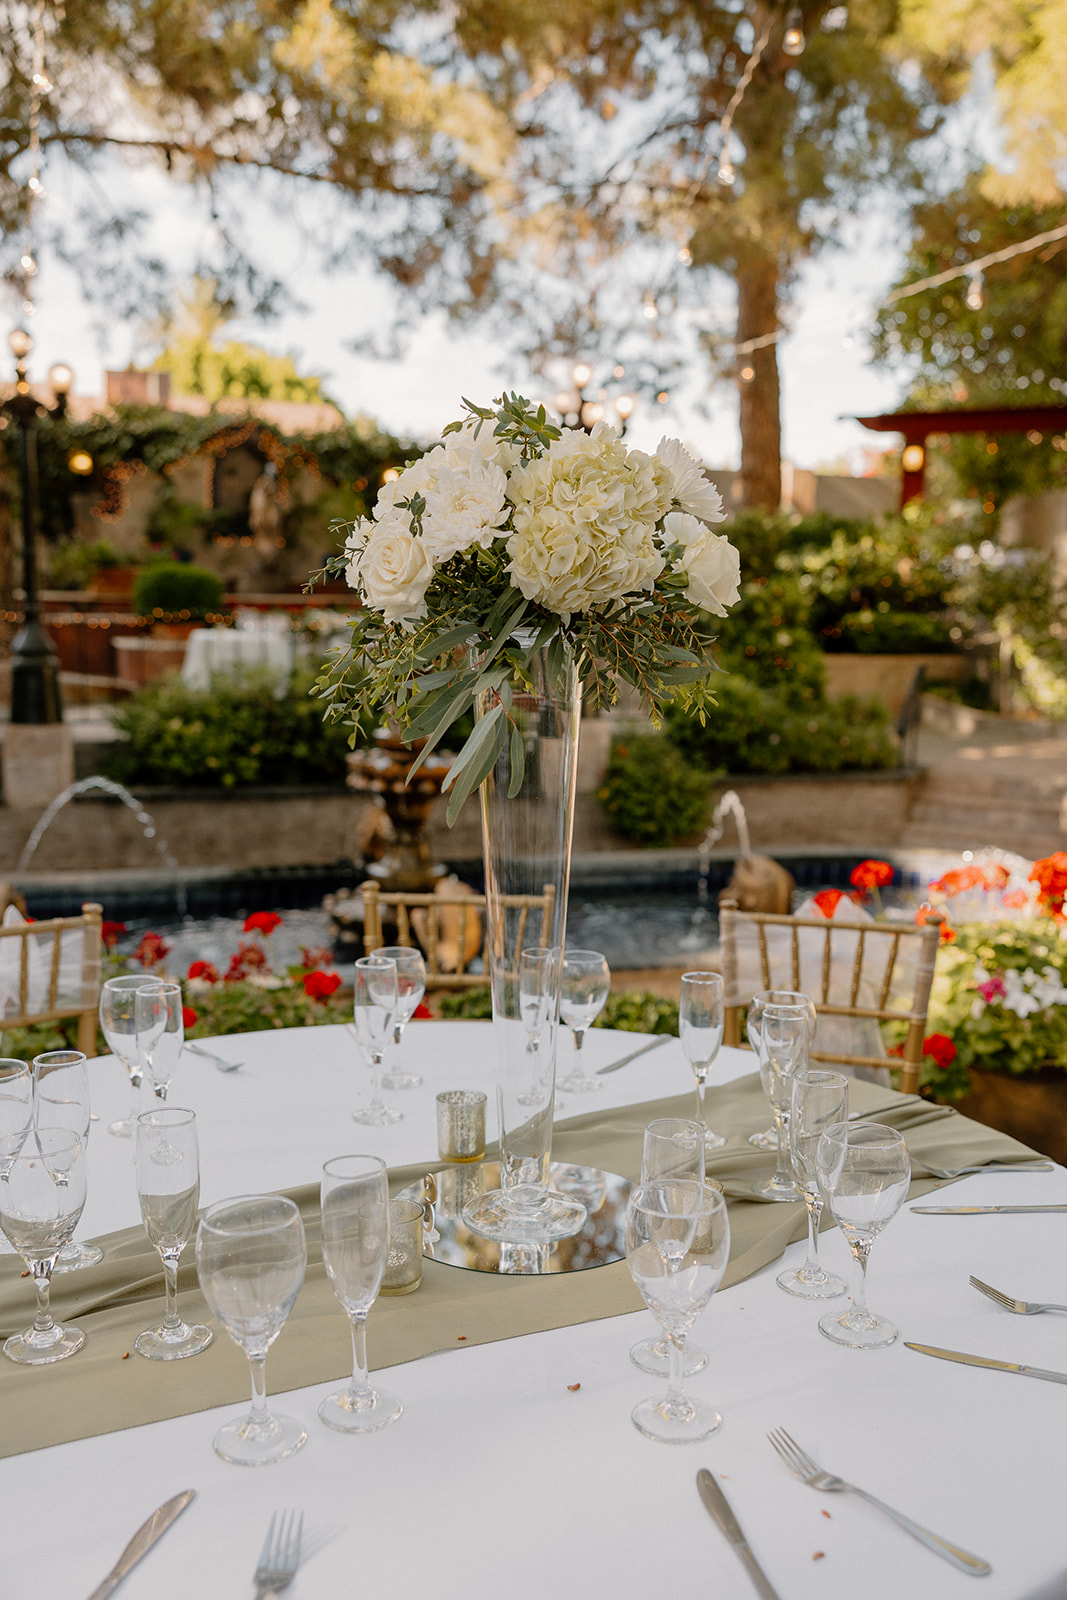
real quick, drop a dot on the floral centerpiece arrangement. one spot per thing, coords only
(512, 536)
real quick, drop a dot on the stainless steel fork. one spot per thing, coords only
(799, 1462)
(280, 1556)
(991, 1166)
(1024, 1308)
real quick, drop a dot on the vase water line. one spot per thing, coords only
(526, 843)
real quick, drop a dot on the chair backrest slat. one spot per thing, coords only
(39, 998)
(418, 917)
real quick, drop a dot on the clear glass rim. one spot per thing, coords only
(860, 1133)
(713, 1199)
(712, 979)
(213, 1218)
(130, 980)
(367, 963)
(341, 1166)
(159, 986)
(58, 1141)
(59, 1058)
(166, 1117)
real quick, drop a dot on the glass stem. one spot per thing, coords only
(811, 1266)
(360, 1380)
(675, 1404)
(42, 1282)
(702, 1084)
(257, 1366)
(160, 1091)
(375, 1074)
(783, 1169)
(861, 1249)
(171, 1319)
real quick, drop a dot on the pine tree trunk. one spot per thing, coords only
(761, 427)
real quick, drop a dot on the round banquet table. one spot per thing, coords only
(515, 1468)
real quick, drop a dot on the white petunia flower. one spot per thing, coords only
(692, 490)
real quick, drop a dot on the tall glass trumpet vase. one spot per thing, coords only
(526, 843)
(538, 982)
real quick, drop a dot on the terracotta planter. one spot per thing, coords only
(1032, 1108)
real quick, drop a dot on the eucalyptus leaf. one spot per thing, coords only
(517, 755)
(483, 734)
(479, 768)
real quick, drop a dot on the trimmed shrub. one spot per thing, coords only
(652, 794)
(176, 588)
(753, 729)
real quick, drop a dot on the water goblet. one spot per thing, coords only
(700, 1026)
(785, 1035)
(61, 1100)
(42, 1193)
(160, 1020)
(410, 988)
(118, 1023)
(819, 1100)
(168, 1187)
(355, 1245)
(673, 1148)
(586, 984)
(677, 1247)
(375, 1000)
(864, 1172)
(250, 1257)
(538, 979)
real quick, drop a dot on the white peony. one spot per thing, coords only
(464, 507)
(395, 569)
(713, 567)
(692, 490)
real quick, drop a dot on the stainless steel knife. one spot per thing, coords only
(142, 1542)
(625, 1061)
(982, 1211)
(717, 1503)
(986, 1361)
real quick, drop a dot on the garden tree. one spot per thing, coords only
(199, 365)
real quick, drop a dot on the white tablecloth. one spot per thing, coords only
(211, 650)
(500, 1478)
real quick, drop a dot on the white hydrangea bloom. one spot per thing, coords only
(691, 489)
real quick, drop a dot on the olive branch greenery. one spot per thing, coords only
(480, 635)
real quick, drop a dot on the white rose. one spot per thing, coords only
(464, 507)
(419, 478)
(395, 569)
(713, 567)
(681, 528)
(692, 490)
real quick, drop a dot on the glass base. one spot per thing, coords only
(33, 1349)
(578, 1083)
(650, 1356)
(351, 1413)
(495, 1216)
(172, 1344)
(257, 1444)
(123, 1129)
(860, 1330)
(377, 1116)
(775, 1189)
(687, 1423)
(766, 1139)
(809, 1284)
(73, 1256)
(400, 1080)
(712, 1140)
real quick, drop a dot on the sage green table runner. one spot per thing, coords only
(107, 1386)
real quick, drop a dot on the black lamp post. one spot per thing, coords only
(35, 696)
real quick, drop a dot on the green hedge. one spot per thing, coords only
(652, 794)
(177, 587)
(753, 729)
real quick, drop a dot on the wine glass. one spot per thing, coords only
(585, 987)
(168, 1187)
(42, 1193)
(785, 1034)
(864, 1172)
(118, 1023)
(16, 1095)
(820, 1099)
(767, 1138)
(673, 1148)
(410, 988)
(375, 1001)
(677, 1246)
(700, 1025)
(355, 1244)
(61, 1100)
(538, 978)
(160, 1022)
(250, 1257)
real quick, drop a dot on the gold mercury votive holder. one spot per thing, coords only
(403, 1264)
(461, 1125)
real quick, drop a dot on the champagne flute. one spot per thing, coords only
(538, 980)
(160, 1021)
(677, 1247)
(820, 1099)
(118, 1023)
(673, 1148)
(168, 1187)
(410, 988)
(61, 1100)
(355, 1244)
(585, 987)
(375, 1001)
(864, 1172)
(785, 1033)
(16, 1095)
(42, 1193)
(767, 1138)
(250, 1256)
(700, 1025)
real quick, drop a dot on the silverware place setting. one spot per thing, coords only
(720, 1509)
(1022, 1308)
(966, 1360)
(280, 1555)
(992, 1166)
(223, 1063)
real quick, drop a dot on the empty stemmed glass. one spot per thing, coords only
(168, 1187)
(118, 1023)
(538, 979)
(700, 1027)
(585, 986)
(42, 1193)
(785, 1037)
(820, 1099)
(355, 1244)
(160, 1019)
(677, 1247)
(864, 1172)
(250, 1256)
(410, 988)
(374, 1007)
(16, 1095)
(673, 1148)
(767, 1138)
(61, 1100)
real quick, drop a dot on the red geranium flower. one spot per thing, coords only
(828, 901)
(263, 922)
(1050, 874)
(188, 1017)
(111, 933)
(940, 1049)
(248, 958)
(152, 951)
(421, 1013)
(925, 914)
(871, 875)
(1014, 899)
(205, 970)
(319, 985)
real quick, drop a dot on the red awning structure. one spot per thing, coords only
(916, 426)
